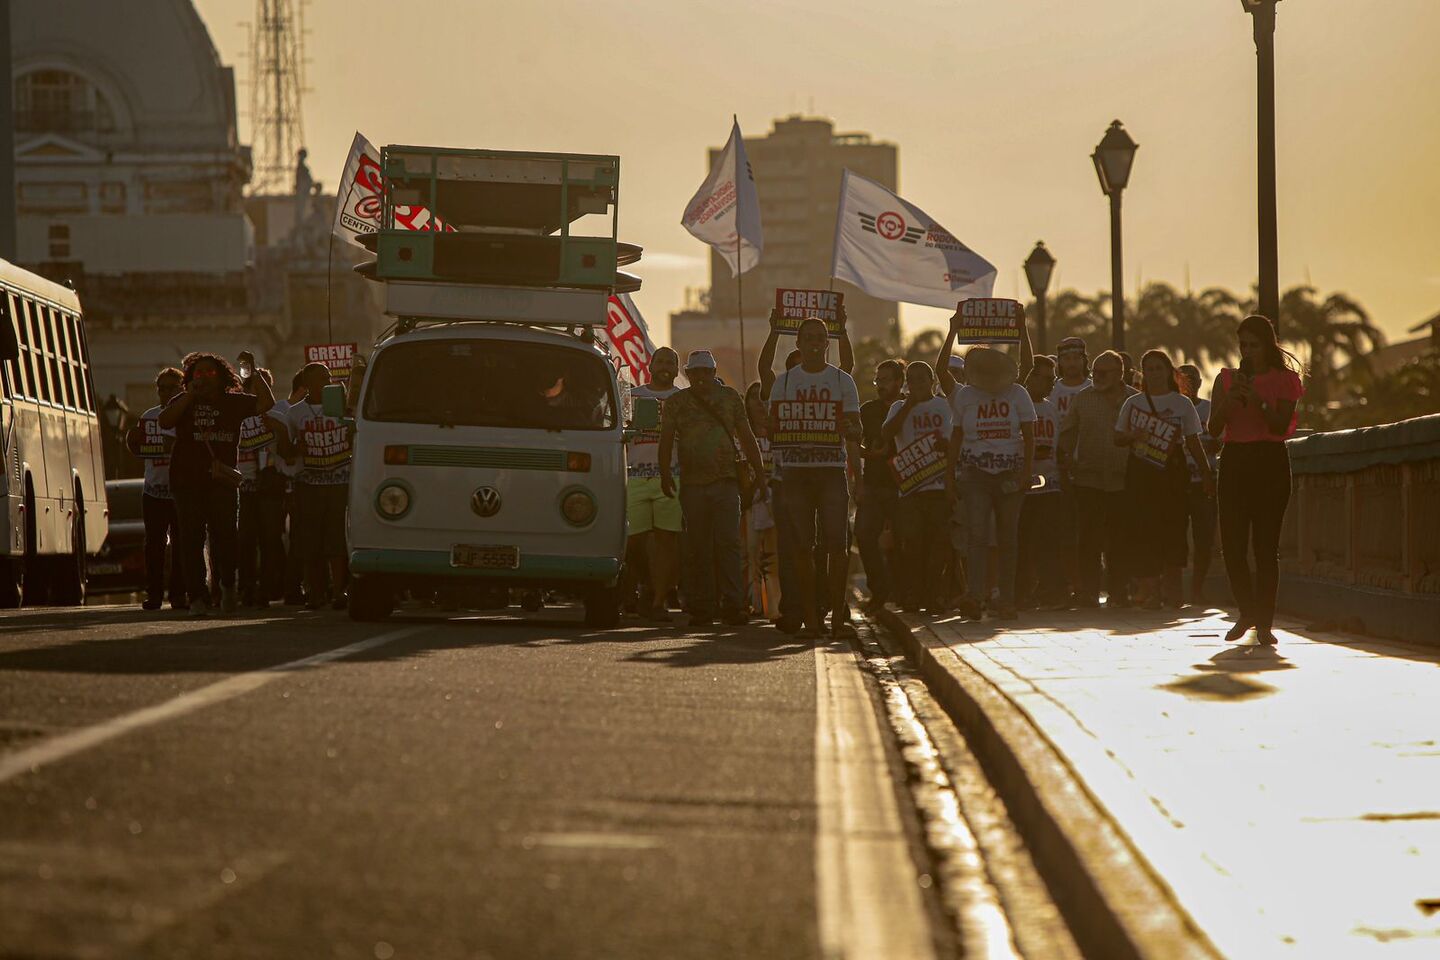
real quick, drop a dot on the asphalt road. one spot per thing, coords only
(493, 786)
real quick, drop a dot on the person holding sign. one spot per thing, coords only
(1157, 425)
(322, 445)
(206, 418)
(920, 426)
(992, 454)
(148, 441)
(1254, 413)
(815, 424)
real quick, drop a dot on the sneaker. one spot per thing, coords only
(150, 605)
(199, 608)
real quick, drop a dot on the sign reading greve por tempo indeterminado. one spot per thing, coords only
(988, 320)
(792, 306)
(339, 357)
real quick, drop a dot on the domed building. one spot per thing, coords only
(129, 177)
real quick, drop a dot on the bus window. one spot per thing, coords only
(62, 351)
(20, 384)
(78, 365)
(34, 361)
(57, 378)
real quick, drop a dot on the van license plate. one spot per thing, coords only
(483, 557)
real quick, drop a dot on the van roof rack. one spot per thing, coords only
(501, 218)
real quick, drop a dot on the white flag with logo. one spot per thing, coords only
(725, 211)
(358, 200)
(893, 250)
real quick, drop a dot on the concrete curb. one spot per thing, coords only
(1116, 906)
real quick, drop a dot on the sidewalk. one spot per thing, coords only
(1289, 796)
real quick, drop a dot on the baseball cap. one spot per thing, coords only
(700, 360)
(956, 362)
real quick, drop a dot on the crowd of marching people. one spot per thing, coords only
(250, 480)
(983, 484)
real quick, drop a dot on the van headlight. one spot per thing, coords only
(578, 507)
(392, 501)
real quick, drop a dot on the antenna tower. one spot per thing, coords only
(277, 64)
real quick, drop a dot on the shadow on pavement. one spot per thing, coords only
(257, 641)
(1224, 676)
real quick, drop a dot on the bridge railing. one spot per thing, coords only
(1365, 514)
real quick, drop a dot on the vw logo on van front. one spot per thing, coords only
(485, 501)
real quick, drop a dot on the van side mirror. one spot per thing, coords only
(647, 414)
(332, 400)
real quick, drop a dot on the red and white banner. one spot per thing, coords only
(359, 199)
(630, 342)
(339, 357)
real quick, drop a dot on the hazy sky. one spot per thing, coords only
(996, 106)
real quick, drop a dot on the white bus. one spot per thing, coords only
(53, 480)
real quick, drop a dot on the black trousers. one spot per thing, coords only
(1254, 492)
(1043, 525)
(1159, 513)
(206, 510)
(261, 544)
(923, 522)
(1101, 516)
(160, 526)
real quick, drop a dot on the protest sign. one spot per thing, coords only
(326, 441)
(1159, 439)
(339, 357)
(988, 320)
(256, 434)
(794, 305)
(806, 423)
(154, 442)
(919, 463)
(359, 199)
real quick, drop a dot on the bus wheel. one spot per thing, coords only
(602, 607)
(31, 576)
(369, 602)
(70, 574)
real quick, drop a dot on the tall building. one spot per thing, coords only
(797, 171)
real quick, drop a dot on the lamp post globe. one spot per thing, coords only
(1114, 157)
(1039, 267)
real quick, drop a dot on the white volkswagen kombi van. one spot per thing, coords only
(488, 452)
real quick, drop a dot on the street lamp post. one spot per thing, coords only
(1038, 268)
(1263, 14)
(1113, 159)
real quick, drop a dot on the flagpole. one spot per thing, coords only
(740, 311)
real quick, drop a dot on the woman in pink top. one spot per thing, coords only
(1253, 411)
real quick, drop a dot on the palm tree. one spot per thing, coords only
(924, 346)
(1072, 314)
(1199, 328)
(1330, 331)
(1410, 390)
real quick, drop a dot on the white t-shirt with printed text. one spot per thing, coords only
(993, 441)
(1175, 413)
(1062, 393)
(1047, 434)
(811, 409)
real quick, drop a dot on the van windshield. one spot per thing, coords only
(491, 383)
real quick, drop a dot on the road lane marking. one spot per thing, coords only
(67, 744)
(593, 841)
(868, 891)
